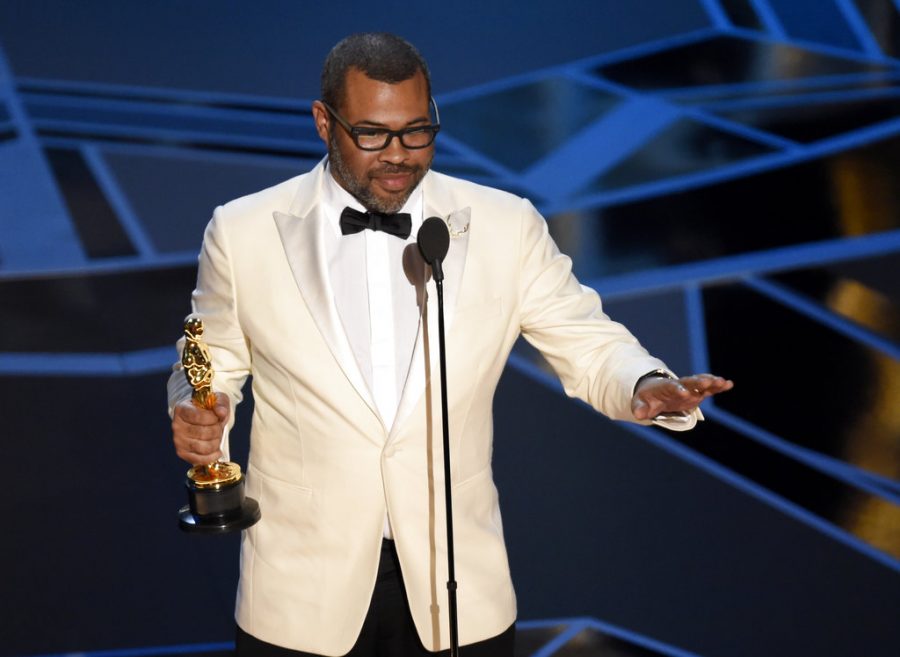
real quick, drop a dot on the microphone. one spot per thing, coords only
(434, 242)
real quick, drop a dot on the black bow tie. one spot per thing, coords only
(354, 221)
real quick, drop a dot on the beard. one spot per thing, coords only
(361, 187)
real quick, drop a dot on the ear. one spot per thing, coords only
(321, 119)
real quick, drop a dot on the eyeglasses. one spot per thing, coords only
(376, 139)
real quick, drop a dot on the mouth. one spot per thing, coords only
(394, 181)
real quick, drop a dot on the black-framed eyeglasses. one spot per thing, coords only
(377, 139)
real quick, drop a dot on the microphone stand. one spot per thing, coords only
(438, 274)
(434, 241)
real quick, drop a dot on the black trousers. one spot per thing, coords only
(388, 630)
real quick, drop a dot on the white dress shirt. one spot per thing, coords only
(374, 299)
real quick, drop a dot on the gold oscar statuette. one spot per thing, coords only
(216, 499)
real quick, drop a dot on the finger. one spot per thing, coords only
(718, 387)
(696, 384)
(197, 449)
(681, 399)
(206, 447)
(186, 453)
(204, 433)
(676, 396)
(671, 391)
(719, 384)
(656, 406)
(706, 384)
(190, 414)
(639, 409)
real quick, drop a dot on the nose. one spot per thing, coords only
(394, 152)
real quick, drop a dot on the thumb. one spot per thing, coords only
(222, 408)
(639, 408)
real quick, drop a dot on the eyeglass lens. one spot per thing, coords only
(411, 138)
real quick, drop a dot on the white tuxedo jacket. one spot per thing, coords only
(323, 467)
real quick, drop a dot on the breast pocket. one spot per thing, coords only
(483, 317)
(477, 329)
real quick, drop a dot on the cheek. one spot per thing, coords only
(356, 162)
(423, 158)
(359, 163)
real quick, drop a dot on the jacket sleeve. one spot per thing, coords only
(596, 359)
(215, 301)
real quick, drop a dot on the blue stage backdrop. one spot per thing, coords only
(723, 172)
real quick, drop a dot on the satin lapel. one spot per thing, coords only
(303, 241)
(454, 264)
(437, 204)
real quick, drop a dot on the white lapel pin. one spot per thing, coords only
(458, 223)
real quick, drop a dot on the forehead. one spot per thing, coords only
(372, 100)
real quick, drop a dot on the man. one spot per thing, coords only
(336, 323)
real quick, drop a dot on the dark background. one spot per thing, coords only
(722, 171)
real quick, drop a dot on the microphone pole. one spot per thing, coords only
(434, 241)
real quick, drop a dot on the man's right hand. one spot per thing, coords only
(197, 432)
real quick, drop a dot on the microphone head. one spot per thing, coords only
(433, 239)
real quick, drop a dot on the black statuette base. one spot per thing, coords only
(217, 511)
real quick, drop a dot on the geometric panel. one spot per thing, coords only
(857, 424)
(834, 501)
(817, 20)
(519, 125)
(98, 226)
(700, 224)
(130, 503)
(850, 297)
(740, 12)
(686, 146)
(693, 224)
(106, 313)
(36, 231)
(56, 112)
(728, 60)
(882, 20)
(810, 121)
(579, 639)
(879, 273)
(174, 196)
(7, 129)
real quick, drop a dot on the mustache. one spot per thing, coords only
(394, 169)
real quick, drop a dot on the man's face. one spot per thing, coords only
(380, 180)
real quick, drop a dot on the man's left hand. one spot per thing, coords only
(657, 395)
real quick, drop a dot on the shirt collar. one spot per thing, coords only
(335, 198)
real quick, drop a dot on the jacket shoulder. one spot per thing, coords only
(498, 214)
(475, 192)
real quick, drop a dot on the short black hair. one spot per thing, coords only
(381, 56)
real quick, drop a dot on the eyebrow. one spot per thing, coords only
(376, 124)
